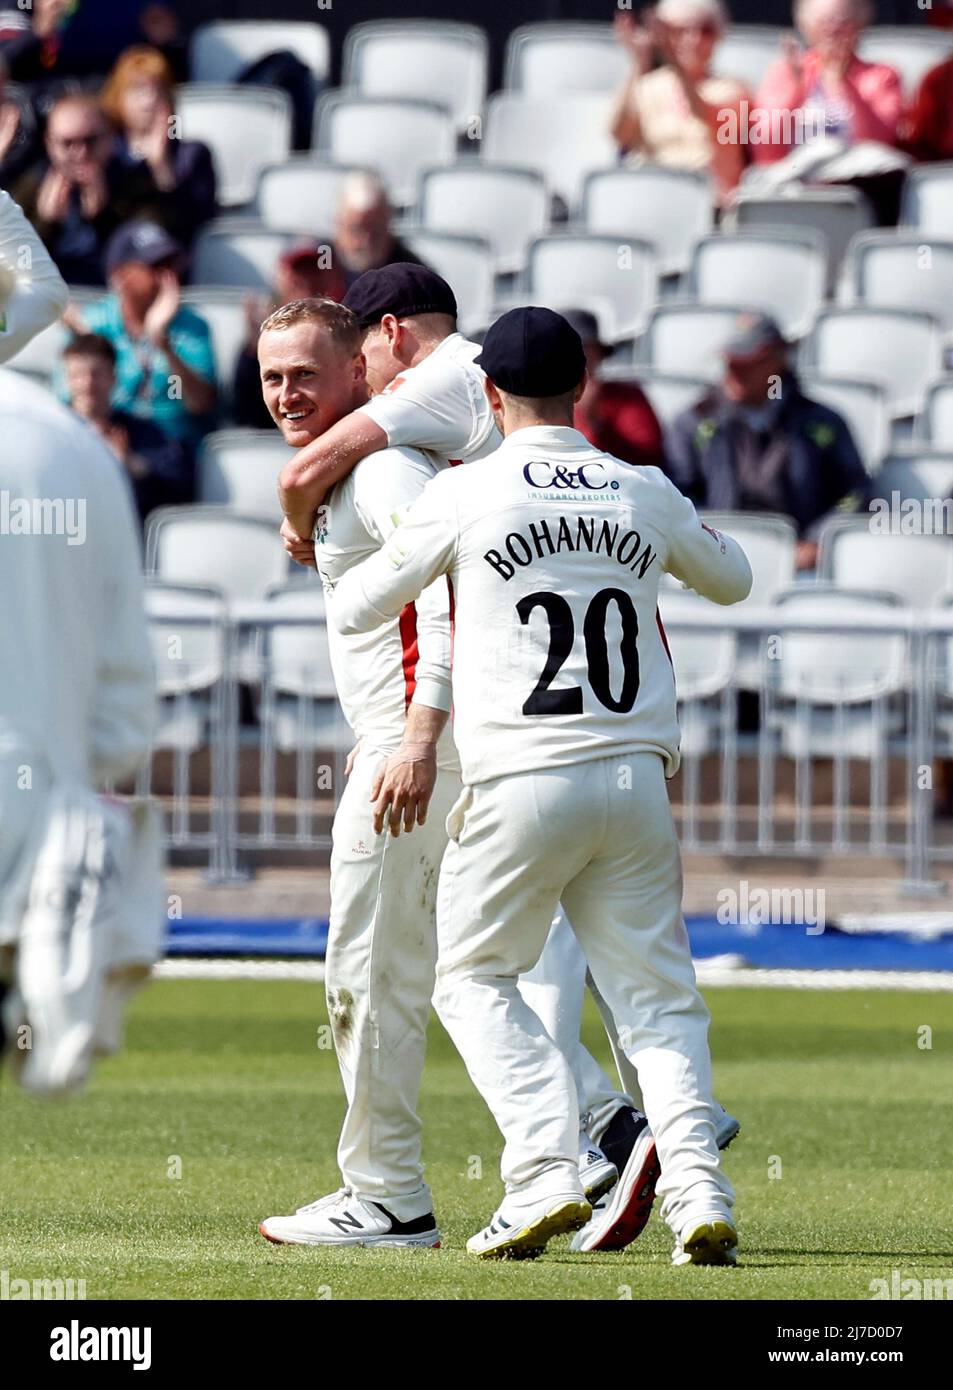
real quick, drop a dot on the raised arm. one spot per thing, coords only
(33, 293)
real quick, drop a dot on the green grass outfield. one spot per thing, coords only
(229, 1079)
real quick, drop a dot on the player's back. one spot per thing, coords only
(559, 653)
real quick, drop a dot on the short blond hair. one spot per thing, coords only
(337, 320)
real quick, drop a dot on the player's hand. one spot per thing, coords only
(300, 550)
(352, 758)
(403, 787)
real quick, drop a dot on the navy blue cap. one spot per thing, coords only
(401, 289)
(140, 241)
(533, 352)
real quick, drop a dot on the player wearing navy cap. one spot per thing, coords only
(565, 720)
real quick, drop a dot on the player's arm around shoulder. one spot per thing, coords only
(309, 475)
(706, 560)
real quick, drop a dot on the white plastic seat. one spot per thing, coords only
(838, 690)
(299, 699)
(224, 312)
(506, 207)
(935, 422)
(854, 554)
(898, 349)
(220, 50)
(671, 208)
(704, 659)
(600, 306)
(562, 135)
(897, 270)
(923, 475)
(245, 128)
(187, 635)
(215, 548)
(301, 195)
(466, 263)
(238, 252)
(240, 468)
(443, 60)
(863, 405)
(783, 274)
(769, 543)
(687, 339)
(746, 51)
(668, 395)
(623, 273)
(397, 138)
(912, 51)
(928, 198)
(564, 57)
(838, 214)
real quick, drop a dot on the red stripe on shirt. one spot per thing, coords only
(662, 634)
(408, 642)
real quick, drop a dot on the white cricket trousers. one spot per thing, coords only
(604, 844)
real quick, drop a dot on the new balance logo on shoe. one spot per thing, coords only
(345, 1223)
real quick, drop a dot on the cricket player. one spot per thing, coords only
(33, 293)
(565, 719)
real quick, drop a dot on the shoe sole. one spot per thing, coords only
(530, 1241)
(426, 1242)
(727, 1137)
(711, 1243)
(627, 1214)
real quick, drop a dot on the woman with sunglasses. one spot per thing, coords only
(677, 114)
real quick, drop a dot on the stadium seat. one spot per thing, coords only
(219, 51)
(769, 543)
(839, 693)
(564, 136)
(855, 554)
(704, 656)
(935, 422)
(686, 339)
(238, 251)
(301, 195)
(920, 474)
(928, 199)
(622, 273)
(506, 207)
(444, 61)
(671, 208)
(746, 51)
(187, 634)
(396, 138)
(669, 395)
(240, 468)
(215, 548)
(224, 312)
(783, 273)
(898, 270)
(299, 707)
(466, 263)
(839, 214)
(564, 57)
(913, 52)
(245, 128)
(901, 350)
(863, 405)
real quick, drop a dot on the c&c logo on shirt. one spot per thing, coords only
(540, 474)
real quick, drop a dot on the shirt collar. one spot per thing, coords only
(547, 437)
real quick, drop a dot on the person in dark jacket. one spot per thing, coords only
(756, 443)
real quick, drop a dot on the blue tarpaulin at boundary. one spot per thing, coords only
(768, 947)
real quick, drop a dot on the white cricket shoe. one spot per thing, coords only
(726, 1127)
(344, 1219)
(520, 1232)
(710, 1241)
(596, 1172)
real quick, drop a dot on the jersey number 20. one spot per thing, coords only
(562, 635)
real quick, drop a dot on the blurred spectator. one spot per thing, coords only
(19, 140)
(928, 133)
(681, 114)
(939, 13)
(756, 443)
(303, 272)
(165, 367)
(615, 416)
(157, 467)
(139, 99)
(49, 42)
(363, 236)
(80, 194)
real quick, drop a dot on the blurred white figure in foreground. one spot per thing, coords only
(32, 291)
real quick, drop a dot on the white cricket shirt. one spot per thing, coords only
(555, 551)
(32, 291)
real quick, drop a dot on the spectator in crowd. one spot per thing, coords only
(157, 467)
(139, 100)
(928, 130)
(50, 43)
(306, 271)
(19, 141)
(615, 416)
(756, 443)
(79, 195)
(681, 114)
(363, 236)
(165, 366)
